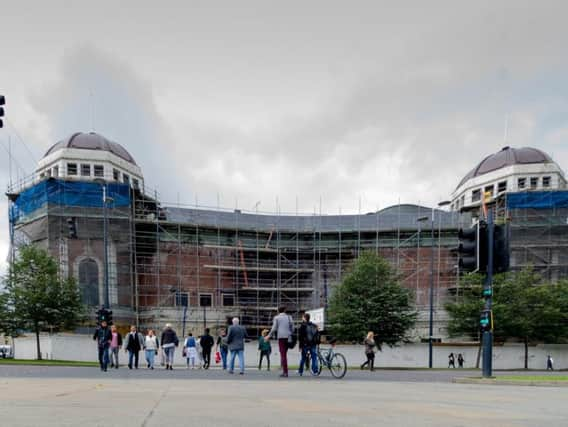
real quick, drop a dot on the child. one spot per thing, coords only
(190, 349)
(265, 349)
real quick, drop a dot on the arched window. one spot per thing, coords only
(89, 282)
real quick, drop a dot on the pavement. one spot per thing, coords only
(70, 396)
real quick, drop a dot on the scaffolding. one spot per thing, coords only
(199, 265)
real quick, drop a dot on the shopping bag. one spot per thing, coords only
(217, 357)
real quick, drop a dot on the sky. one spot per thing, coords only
(286, 106)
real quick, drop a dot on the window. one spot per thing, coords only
(85, 170)
(502, 187)
(205, 300)
(42, 175)
(71, 168)
(476, 195)
(521, 183)
(116, 174)
(546, 181)
(228, 300)
(182, 299)
(125, 178)
(488, 192)
(135, 183)
(534, 182)
(99, 170)
(56, 171)
(89, 282)
(48, 173)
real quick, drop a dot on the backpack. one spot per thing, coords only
(312, 334)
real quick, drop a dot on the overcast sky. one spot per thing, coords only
(278, 102)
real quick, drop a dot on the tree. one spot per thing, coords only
(370, 298)
(36, 298)
(524, 309)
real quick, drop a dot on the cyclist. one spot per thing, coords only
(309, 338)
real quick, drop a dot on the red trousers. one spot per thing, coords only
(283, 347)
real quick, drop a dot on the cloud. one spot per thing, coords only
(97, 91)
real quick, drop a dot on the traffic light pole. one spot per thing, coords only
(487, 338)
(105, 244)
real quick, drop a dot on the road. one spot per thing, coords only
(59, 396)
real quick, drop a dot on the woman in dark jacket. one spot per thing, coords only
(370, 345)
(169, 341)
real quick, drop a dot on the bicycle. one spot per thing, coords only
(332, 360)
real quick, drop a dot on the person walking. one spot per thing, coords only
(134, 342)
(370, 345)
(309, 339)
(169, 341)
(206, 341)
(236, 342)
(549, 363)
(103, 337)
(265, 350)
(222, 347)
(151, 346)
(190, 350)
(115, 345)
(451, 361)
(283, 329)
(460, 360)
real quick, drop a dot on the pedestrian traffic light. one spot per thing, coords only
(104, 315)
(2, 102)
(486, 321)
(72, 228)
(472, 251)
(500, 248)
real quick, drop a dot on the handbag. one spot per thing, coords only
(217, 357)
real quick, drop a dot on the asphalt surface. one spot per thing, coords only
(58, 396)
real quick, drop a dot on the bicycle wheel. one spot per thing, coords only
(338, 365)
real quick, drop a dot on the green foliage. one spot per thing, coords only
(370, 298)
(36, 298)
(524, 308)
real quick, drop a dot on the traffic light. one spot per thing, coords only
(472, 248)
(2, 102)
(72, 228)
(486, 321)
(500, 248)
(104, 315)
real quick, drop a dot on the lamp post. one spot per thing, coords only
(105, 200)
(431, 293)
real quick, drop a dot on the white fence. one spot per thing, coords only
(510, 356)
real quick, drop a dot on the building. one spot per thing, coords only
(195, 266)
(88, 205)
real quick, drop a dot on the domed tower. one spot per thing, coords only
(79, 206)
(90, 156)
(508, 170)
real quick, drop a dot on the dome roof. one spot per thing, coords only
(91, 141)
(508, 156)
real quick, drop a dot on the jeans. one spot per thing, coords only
(224, 353)
(206, 357)
(169, 352)
(313, 358)
(370, 361)
(114, 356)
(241, 354)
(103, 357)
(132, 354)
(283, 347)
(150, 354)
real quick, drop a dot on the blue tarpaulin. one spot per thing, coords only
(538, 200)
(68, 193)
